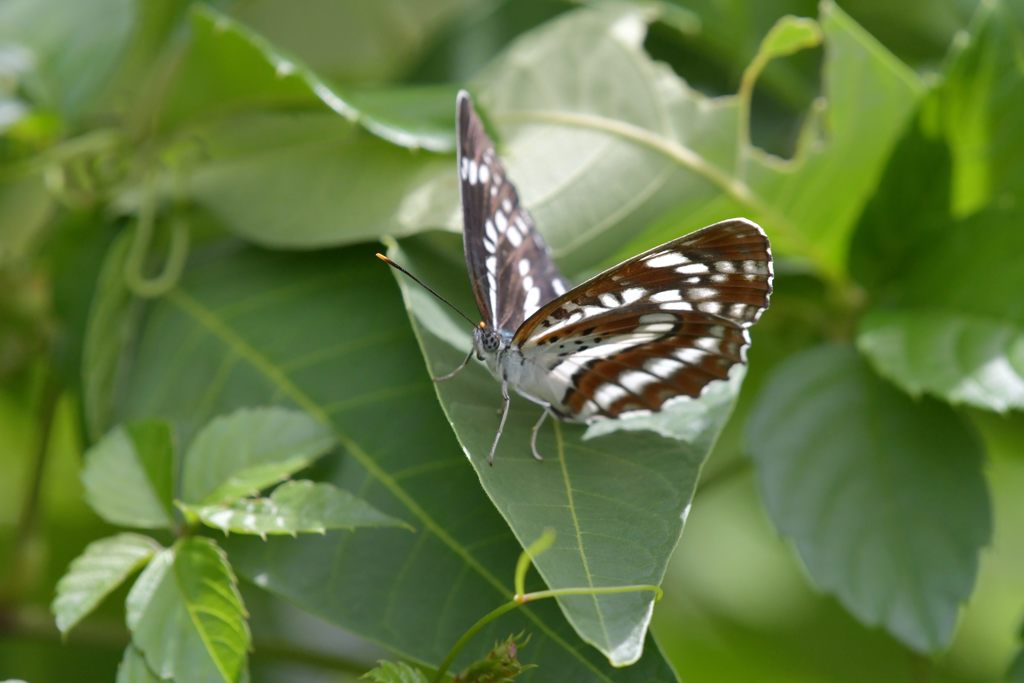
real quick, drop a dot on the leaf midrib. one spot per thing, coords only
(560, 447)
(209, 321)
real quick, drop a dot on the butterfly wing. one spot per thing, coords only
(509, 263)
(663, 324)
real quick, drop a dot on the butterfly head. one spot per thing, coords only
(487, 341)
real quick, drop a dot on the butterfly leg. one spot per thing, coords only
(533, 434)
(456, 371)
(501, 425)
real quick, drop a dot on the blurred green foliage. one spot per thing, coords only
(190, 196)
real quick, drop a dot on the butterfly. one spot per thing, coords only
(657, 327)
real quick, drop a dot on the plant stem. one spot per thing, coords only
(522, 599)
(586, 590)
(468, 635)
(29, 515)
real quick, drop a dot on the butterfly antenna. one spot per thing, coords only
(425, 286)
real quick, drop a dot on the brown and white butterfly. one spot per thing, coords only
(659, 326)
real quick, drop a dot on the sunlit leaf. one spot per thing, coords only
(310, 178)
(187, 617)
(658, 146)
(128, 475)
(295, 507)
(94, 574)
(228, 66)
(238, 454)
(350, 40)
(883, 497)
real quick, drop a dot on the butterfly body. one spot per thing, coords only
(505, 360)
(657, 327)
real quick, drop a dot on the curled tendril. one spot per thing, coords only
(134, 267)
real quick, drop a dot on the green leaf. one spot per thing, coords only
(308, 179)
(982, 101)
(396, 672)
(658, 146)
(883, 497)
(909, 210)
(952, 325)
(960, 357)
(1015, 674)
(133, 668)
(186, 615)
(238, 454)
(327, 332)
(947, 322)
(295, 507)
(127, 475)
(353, 41)
(228, 66)
(789, 35)
(93, 575)
(588, 489)
(110, 333)
(76, 45)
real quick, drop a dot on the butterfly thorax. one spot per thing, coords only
(505, 360)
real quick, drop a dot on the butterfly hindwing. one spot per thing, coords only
(510, 266)
(636, 359)
(660, 325)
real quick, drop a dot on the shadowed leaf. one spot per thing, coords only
(883, 496)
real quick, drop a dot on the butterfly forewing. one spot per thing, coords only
(510, 266)
(661, 325)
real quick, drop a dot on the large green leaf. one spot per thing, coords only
(327, 333)
(187, 617)
(953, 327)
(309, 178)
(295, 507)
(948, 321)
(598, 152)
(616, 499)
(102, 567)
(630, 127)
(884, 497)
(238, 454)
(353, 41)
(127, 475)
(227, 66)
